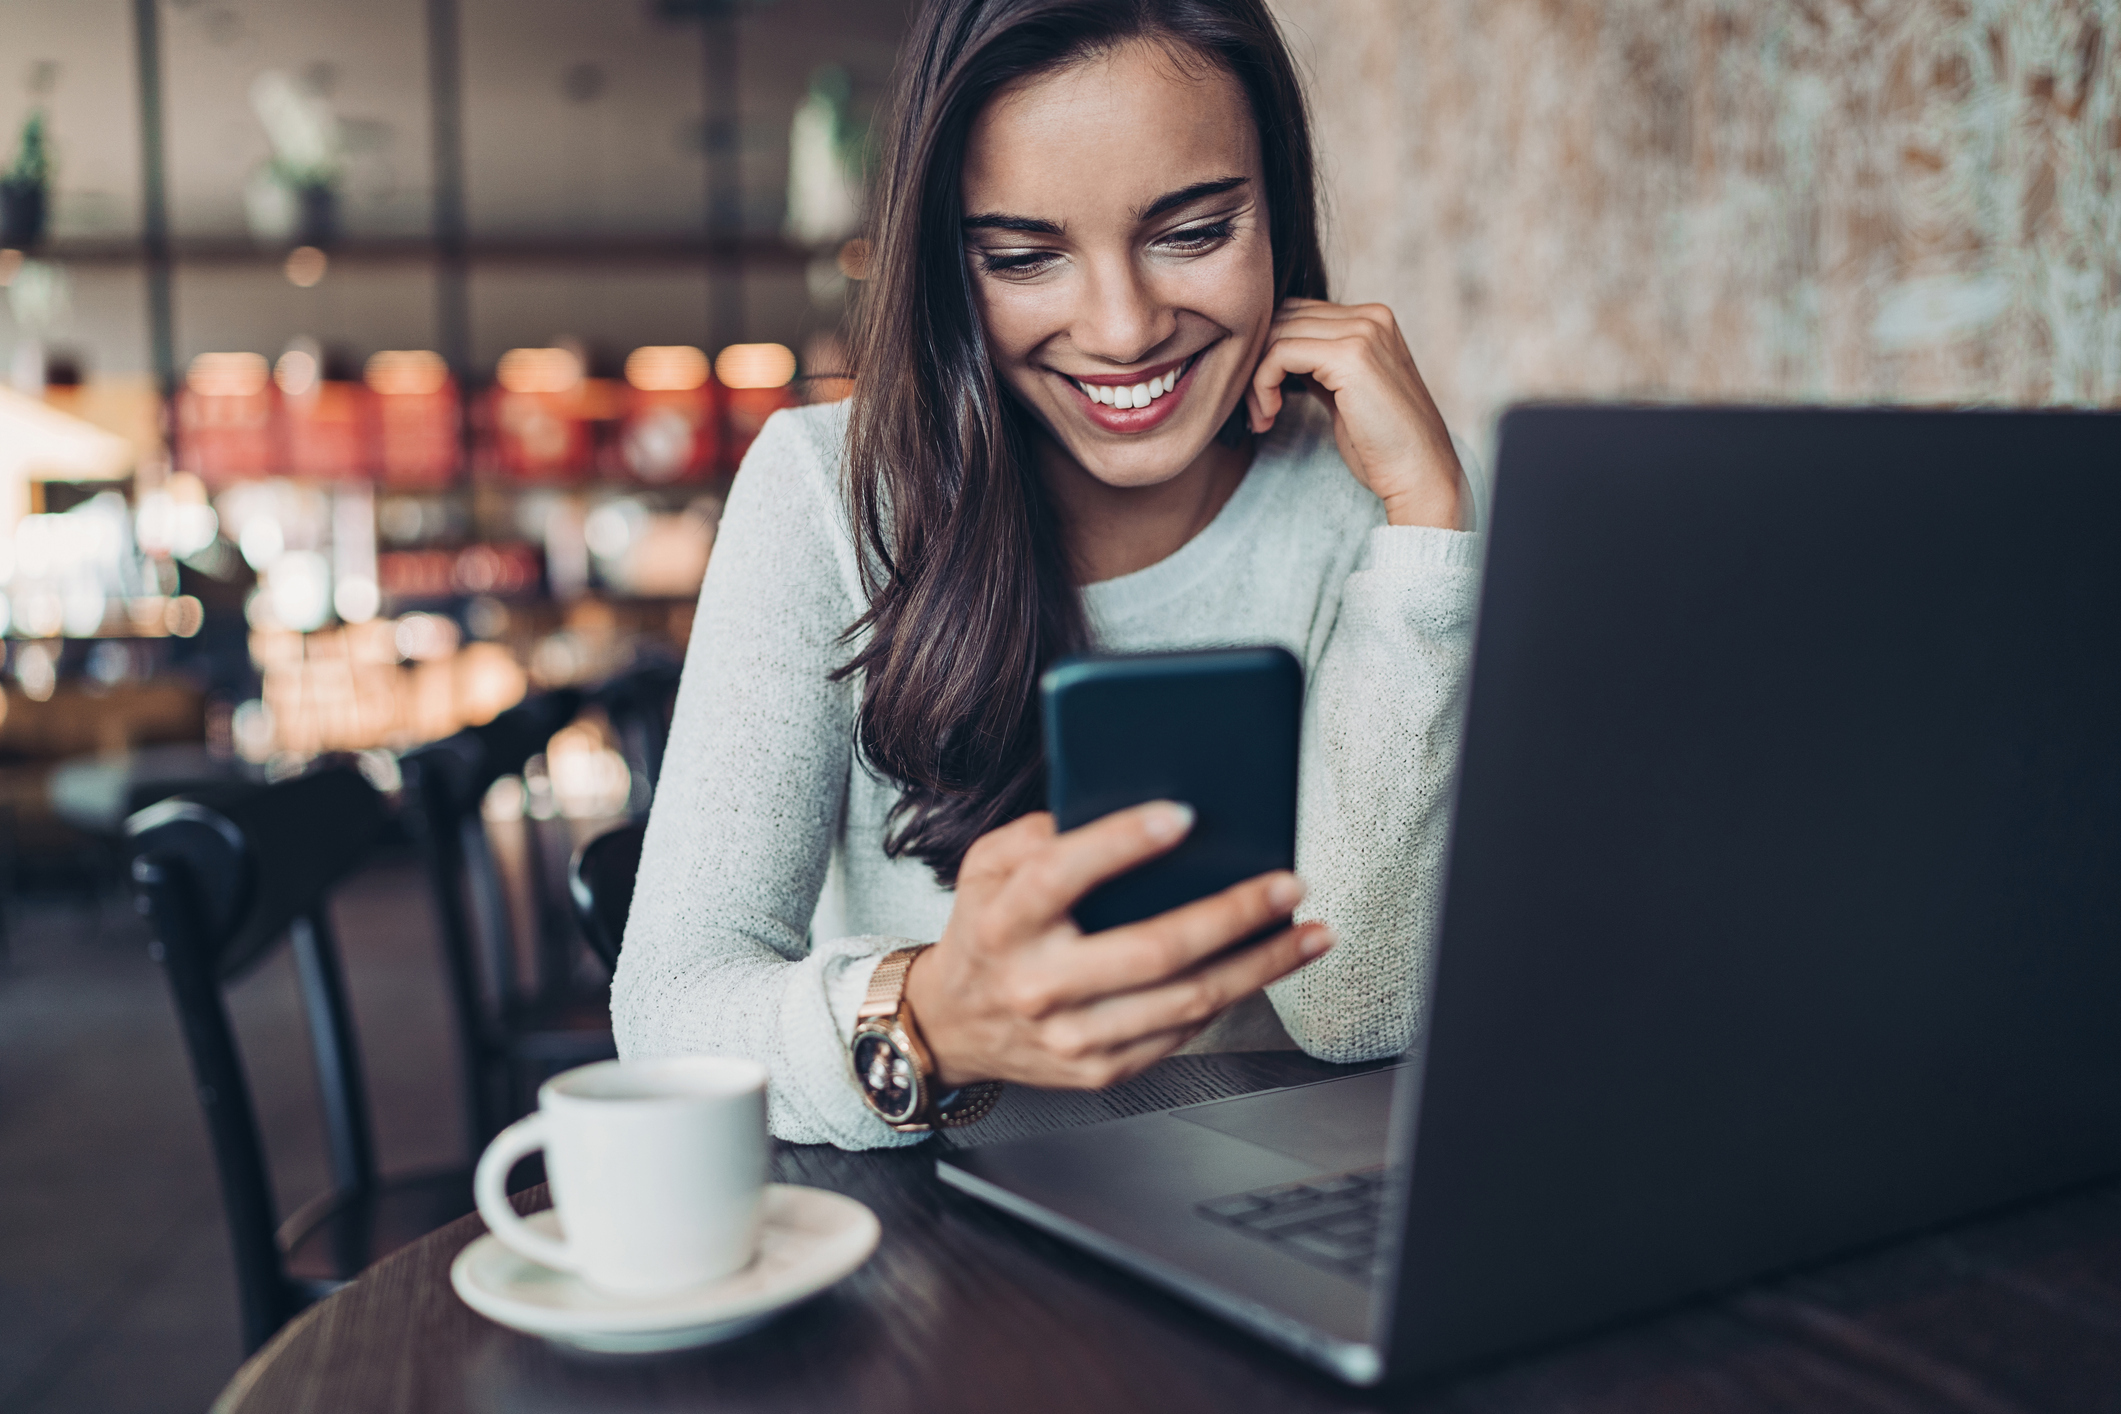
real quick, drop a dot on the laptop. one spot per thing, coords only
(1783, 909)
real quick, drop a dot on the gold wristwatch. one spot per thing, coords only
(892, 1067)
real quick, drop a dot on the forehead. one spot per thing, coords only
(1108, 135)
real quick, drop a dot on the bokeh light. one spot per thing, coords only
(550, 370)
(755, 365)
(414, 372)
(296, 372)
(666, 368)
(306, 266)
(228, 375)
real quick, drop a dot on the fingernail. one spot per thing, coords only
(1287, 891)
(1319, 940)
(1168, 820)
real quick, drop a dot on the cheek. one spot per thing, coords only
(1016, 319)
(1258, 286)
(1234, 289)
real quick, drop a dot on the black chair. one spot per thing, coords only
(224, 874)
(600, 881)
(639, 703)
(512, 1035)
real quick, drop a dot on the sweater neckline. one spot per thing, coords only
(1129, 594)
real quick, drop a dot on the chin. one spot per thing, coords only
(1152, 462)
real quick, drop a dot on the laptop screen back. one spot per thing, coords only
(1784, 907)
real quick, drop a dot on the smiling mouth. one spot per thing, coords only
(1120, 395)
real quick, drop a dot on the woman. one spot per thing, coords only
(1094, 267)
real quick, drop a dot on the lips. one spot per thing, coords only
(1133, 402)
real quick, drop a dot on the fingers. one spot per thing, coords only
(1376, 315)
(1084, 971)
(1286, 358)
(1047, 882)
(997, 854)
(1191, 1000)
(1332, 362)
(1158, 949)
(1125, 1062)
(1263, 393)
(1326, 360)
(1330, 343)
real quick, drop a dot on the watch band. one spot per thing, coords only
(887, 985)
(887, 997)
(968, 1104)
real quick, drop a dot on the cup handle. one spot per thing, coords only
(490, 1186)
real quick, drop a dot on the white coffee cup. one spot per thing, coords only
(657, 1168)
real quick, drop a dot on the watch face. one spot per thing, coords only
(887, 1074)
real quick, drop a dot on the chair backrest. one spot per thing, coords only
(446, 781)
(223, 874)
(639, 703)
(600, 881)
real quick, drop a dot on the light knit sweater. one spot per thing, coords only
(765, 896)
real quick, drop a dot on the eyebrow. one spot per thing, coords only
(998, 221)
(1186, 196)
(1170, 201)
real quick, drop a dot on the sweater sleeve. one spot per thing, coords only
(717, 958)
(1380, 750)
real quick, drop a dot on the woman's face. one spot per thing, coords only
(1116, 231)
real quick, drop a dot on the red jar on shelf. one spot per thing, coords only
(325, 432)
(537, 419)
(415, 419)
(225, 419)
(672, 429)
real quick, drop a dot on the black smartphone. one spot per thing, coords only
(1216, 728)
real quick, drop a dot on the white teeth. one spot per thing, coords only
(1138, 395)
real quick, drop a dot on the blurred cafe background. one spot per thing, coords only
(369, 373)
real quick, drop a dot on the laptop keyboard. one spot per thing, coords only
(1330, 1222)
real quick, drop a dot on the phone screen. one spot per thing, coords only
(1218, 729)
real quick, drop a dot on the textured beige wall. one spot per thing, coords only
(1789, 199)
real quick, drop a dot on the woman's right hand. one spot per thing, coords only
(1015, 991)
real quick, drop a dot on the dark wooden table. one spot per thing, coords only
(964, 1309)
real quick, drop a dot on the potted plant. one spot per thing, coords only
(26, 188)
(293, 197)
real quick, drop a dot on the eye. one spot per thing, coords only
(1016, 263)
(1194, 240)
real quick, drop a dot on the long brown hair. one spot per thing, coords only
(970, 594)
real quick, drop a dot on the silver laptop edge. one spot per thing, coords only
(1357, 1363)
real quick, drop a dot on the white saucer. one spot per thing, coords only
(808, 1239)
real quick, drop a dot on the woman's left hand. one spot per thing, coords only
(1390, 434)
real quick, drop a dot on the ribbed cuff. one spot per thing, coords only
(1400, 548)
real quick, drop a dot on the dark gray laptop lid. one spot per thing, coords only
(1784, 904)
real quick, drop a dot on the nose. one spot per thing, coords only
(1121, 320)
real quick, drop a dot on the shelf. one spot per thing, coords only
(764, 253)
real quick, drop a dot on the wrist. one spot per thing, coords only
(891, 1064)
(1437, 507)
(928, 1003)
